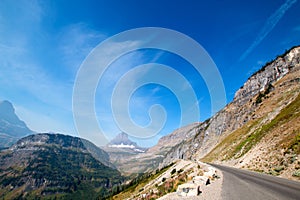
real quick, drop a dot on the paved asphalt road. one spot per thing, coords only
(245, 185)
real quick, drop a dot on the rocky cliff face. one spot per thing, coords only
(166, 143)
(267, 75)
(269, 141)
(11, 127)
(237, 113)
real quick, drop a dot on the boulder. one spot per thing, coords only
(188, 190)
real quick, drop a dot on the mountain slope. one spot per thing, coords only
(269, 143)
(11, 127)
(263, 96)
(54, 165)
(259, 130)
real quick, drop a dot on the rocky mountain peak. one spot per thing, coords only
(7, 112)
(7, 104)
(122, 140)
(11, 127)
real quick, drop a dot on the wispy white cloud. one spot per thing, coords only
(25, 70)
(18, 68)
(20, 71)
(268, 26)
(76, 41)
(297, 28)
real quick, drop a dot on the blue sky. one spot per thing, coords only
(43, 43)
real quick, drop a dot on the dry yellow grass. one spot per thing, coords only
(271, 142)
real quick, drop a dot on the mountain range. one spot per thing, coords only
(259, 130)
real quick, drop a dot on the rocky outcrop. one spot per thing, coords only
(169, 141)
(267, 75)
(198, 183)
(206, 135)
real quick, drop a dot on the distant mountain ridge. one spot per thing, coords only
(11, 127)
(122, 141)
(121, 150)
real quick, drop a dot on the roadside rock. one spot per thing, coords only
(190, 190)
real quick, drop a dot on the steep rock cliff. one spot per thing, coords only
(237, 113)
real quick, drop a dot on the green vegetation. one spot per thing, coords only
(271, 61)
(240, 141)
(166, 185)
(273, 173)
(61, 173)
(263, 95)
(289, 112)
(138, 183)
(173, 171)
(180, 171)
(296, 173)
(226, 149)
(295, 144)
(279, 169)
(171, 184)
